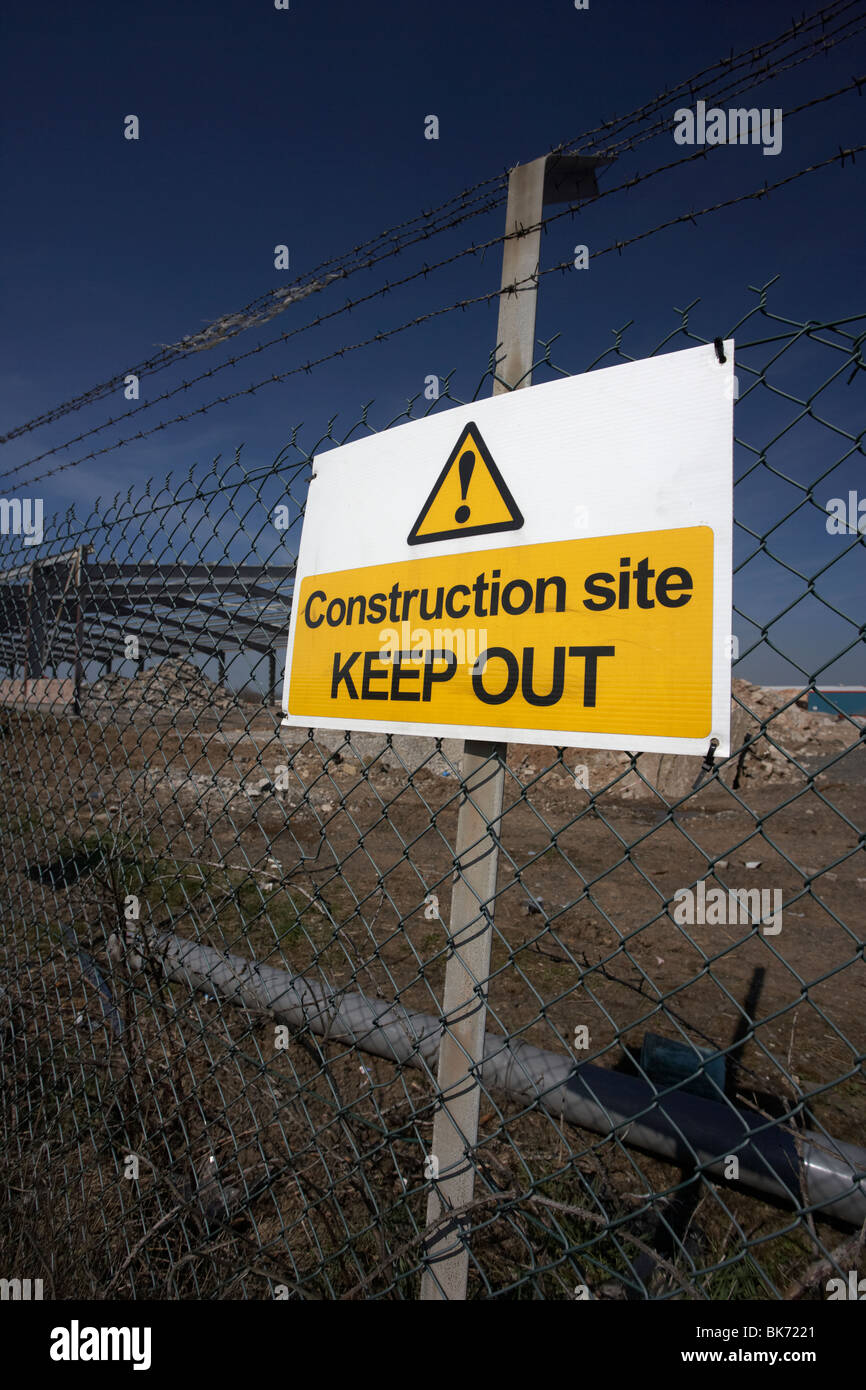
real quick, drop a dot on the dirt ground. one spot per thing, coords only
(334, 857)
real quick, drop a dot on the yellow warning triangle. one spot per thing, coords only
(469, 498)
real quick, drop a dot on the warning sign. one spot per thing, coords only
(469, 498)
(599, 616)
(549, 637)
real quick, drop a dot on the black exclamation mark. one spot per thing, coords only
(466, 465)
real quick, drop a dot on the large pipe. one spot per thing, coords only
(806, 1169)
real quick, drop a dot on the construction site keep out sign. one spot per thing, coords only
(548, 566)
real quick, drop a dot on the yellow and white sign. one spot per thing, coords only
(550, 566)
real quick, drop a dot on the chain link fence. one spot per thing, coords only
(224, 941)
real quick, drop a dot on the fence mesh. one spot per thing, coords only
(224, 941)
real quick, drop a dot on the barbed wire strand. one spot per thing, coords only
(474, 249)
(276, 301)
(519, 286)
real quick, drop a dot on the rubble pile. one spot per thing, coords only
(790, 735)
(772, 737)
(169, 687)
(771, 741)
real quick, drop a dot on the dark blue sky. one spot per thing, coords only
(306, 127)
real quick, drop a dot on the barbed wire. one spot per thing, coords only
(807, 51)
(424, 271)
(638, 116)
(472, 202)
(848, 153)
(297, 290)
(463, 304)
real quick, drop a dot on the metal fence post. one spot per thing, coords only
(78, 665)
(455, 1127)
(272, 675)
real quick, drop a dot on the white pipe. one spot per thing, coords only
(825, 1174)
